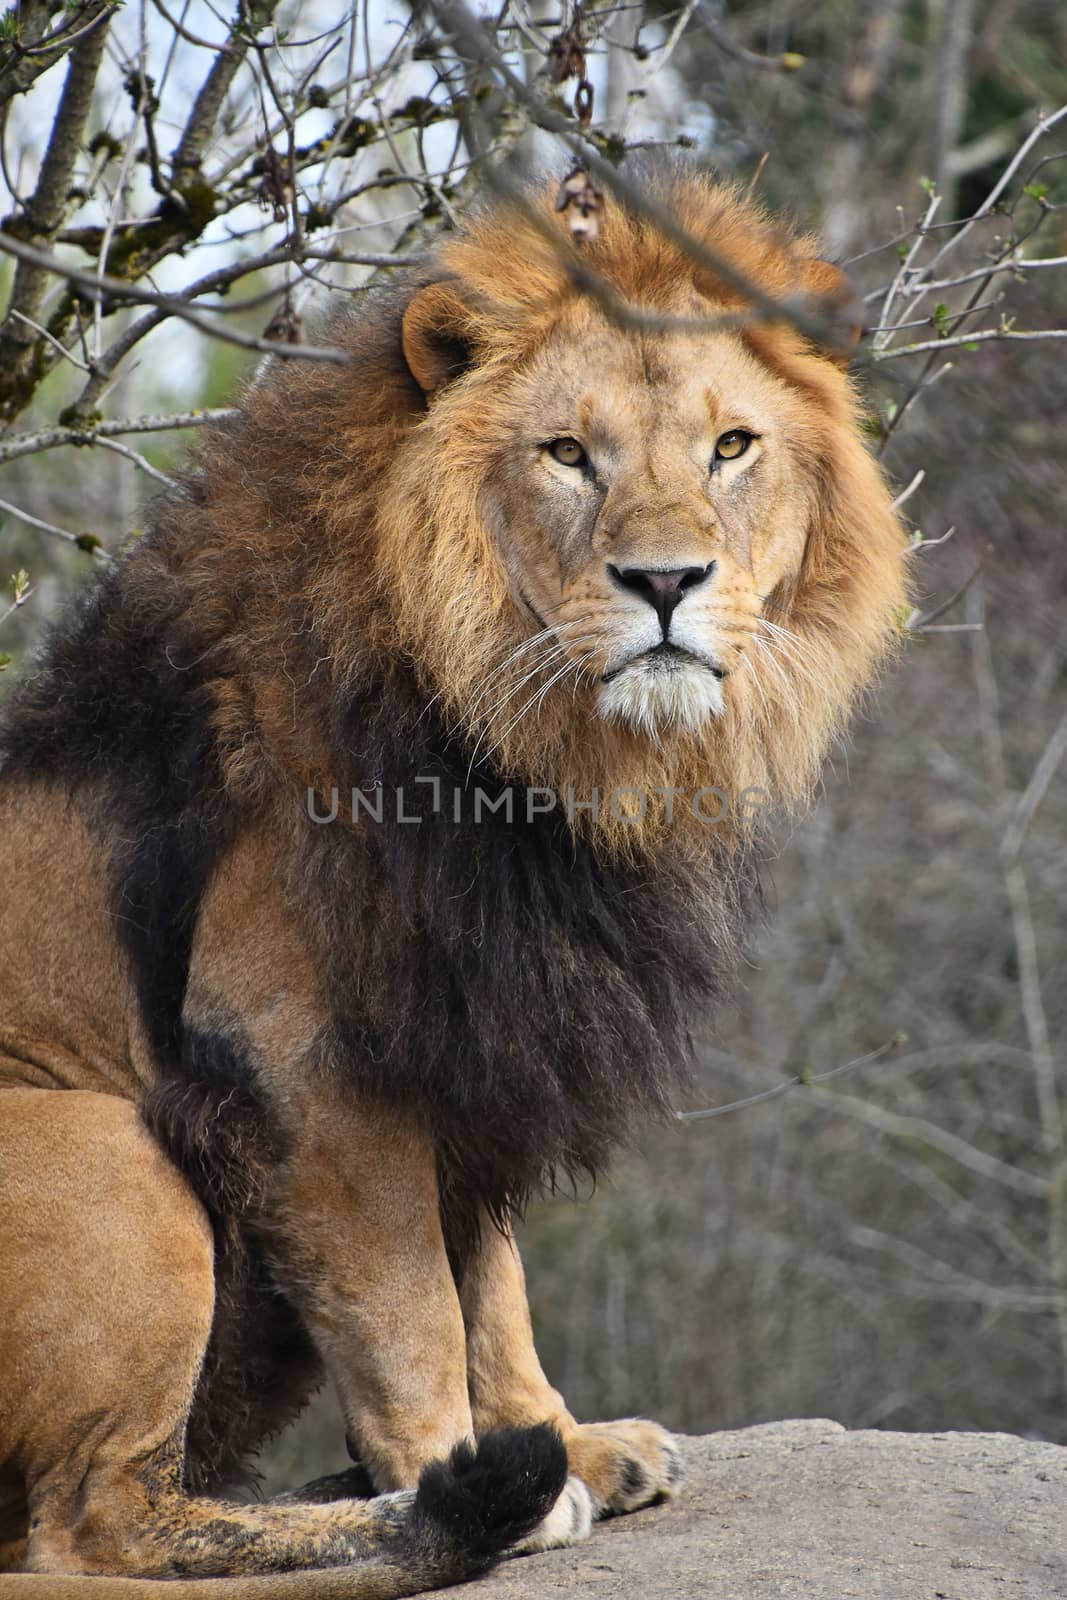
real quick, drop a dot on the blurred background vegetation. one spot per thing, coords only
(888, 1248)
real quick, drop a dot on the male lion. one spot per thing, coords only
(316, 1054)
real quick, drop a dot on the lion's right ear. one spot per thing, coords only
(437, 334)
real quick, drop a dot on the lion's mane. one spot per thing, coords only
(320, 606)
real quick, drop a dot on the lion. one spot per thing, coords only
(363, 870)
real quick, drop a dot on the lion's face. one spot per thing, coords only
(634, 558)
(653, 495)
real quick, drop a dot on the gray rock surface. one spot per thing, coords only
(809, 1511)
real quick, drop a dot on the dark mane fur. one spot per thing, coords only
(530, 991)
(538, 992)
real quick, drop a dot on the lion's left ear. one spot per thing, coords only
(437, 334)
(839, 304)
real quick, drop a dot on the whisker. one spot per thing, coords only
(793, 648)
(533, 702)
(523, 646)
(428, 707)
(546, 654)
(543, 661)
(768, 655)
(545, 636)
(786, 635)
(488, 716)
(788, 696)
(552, 631)
(523, 649)
(541, 697)
(754, 675)
(549, 650)
(568, 666)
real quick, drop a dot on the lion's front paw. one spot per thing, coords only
(569, 1521)
(625, 1464)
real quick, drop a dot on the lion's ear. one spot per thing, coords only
(438, 337)
(838, 303)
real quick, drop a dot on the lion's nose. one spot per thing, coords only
(663, 589)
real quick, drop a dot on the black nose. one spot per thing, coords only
(662, 590)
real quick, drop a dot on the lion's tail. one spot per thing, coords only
(468, 1511)
(370, 1581)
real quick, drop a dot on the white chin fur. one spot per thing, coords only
(653, 697)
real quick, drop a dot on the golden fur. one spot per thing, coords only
(819, 552)
(359, 1044)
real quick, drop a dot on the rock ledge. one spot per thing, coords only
(808, 1511)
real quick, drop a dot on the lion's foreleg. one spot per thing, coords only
(507, 1383)
(624, 1465)
(359, 1246)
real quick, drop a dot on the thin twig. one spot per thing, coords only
(941, 1280)
(906, 266)
(966, 340)
(60, 349)
(469, 35)
(79, 539)
(139, 461)
(932, 544)
(799, 1080)
(26, 444)
(905, 494)
(921, 1131)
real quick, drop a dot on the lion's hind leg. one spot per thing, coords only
(106, 1301)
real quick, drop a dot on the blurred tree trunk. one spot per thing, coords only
(953, 28)
(866, 68)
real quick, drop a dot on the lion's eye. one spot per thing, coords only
(568, 452)
(733, 444)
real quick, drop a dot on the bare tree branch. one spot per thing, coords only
(29, 444)
(967, 341)
(928, 1133)
(800, 1080)
(468, 36)
(189, 152)
(96, 284)
(33, 51)
(44, 212)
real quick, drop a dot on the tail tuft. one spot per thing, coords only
(487, 1497)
